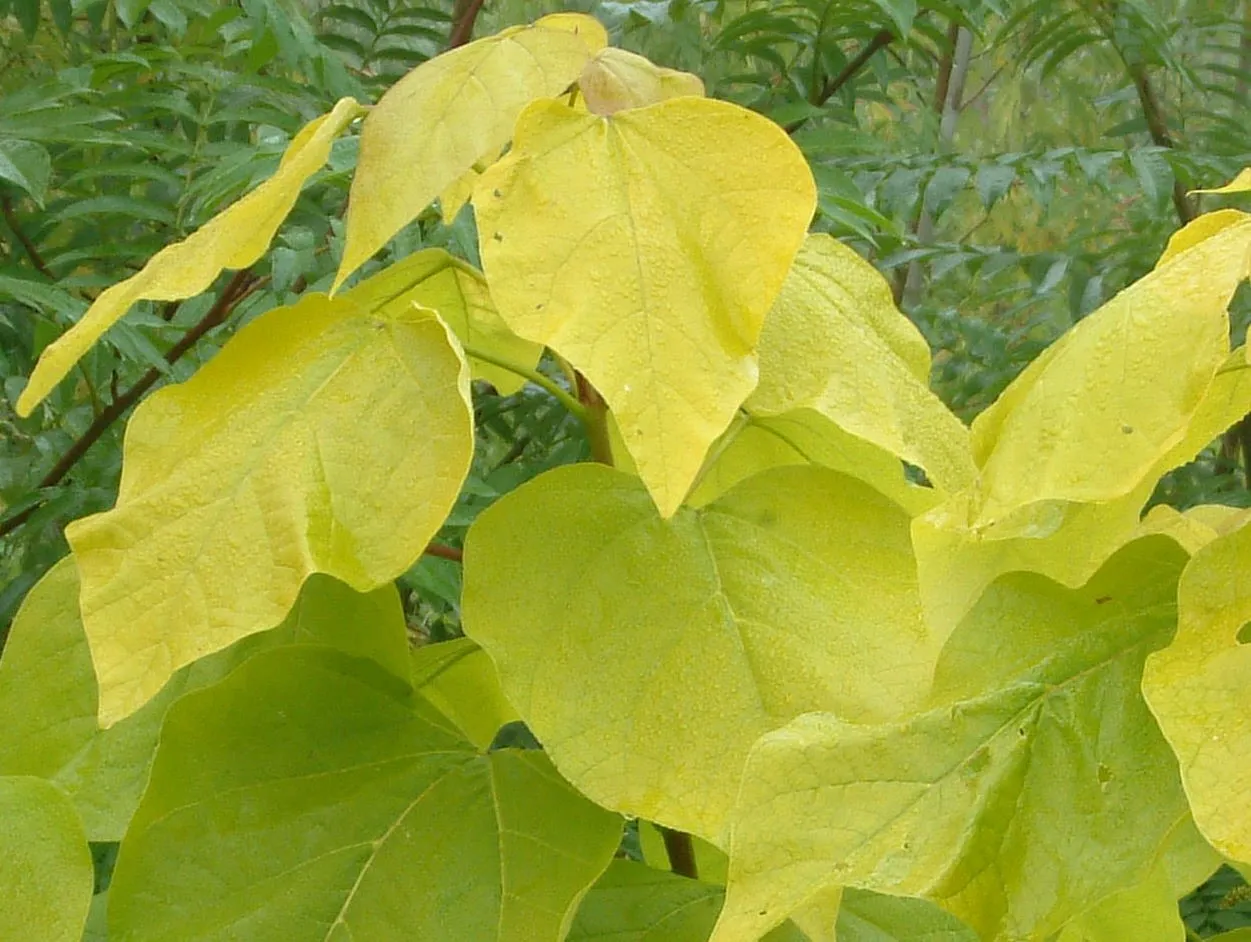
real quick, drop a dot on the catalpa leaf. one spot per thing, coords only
(617, 80)
(320, 439)
(734, 618)
(434, 279)
(46, 868)
(459, 680)
(48, 689)
(631, 265)
(1090, 419)
(308, 796)
(449, 113)
(235, 238)
(1199, 690)
(1036, 784)
(874, 917)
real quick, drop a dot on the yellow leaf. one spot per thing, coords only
(1200, 691)
(449, 113)
(320, 439)
(1090, 419)
(1239, 184)
(616, 80)
(1206, 226)
(434, 279)
(235, 238)
(1064, 540)
(835, 344)
(648, 654)
(646, 249)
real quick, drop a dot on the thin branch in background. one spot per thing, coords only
(445, 552)
(239, 287)
(1153, 114)
(10, 217)
(681, 851)
(464, 16)
(881, 40)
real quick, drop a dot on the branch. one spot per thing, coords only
(445, 552)
(462, 26)
(596, 423)
(1153, 114)
(681, 852)
(880, 40)
(236, 289)
(6, 205)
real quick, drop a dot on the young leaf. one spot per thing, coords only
(631, 265)
(46, 868)
(1199, 690)
(320, 439)
(235, 238)
(434, 279)
(617, 80)
(735, 617)
(48, 688)
(1035, 785)
(308, 797)
(449, 113)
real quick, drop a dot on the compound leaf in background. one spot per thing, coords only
(309, 796)
(241, 482)
(458, 292)
(48, 690)
(27, 165)
(735, 617)
(631, 265)
(46, 868)
(617, 80)
(449, 113)
(1035, 785)
(235, 238)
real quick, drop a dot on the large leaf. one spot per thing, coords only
(1200, 690)
(48, 691)
(617, 80)
(1090, 419)
(449, 113)
(310, 797)
(873, 917)
(46, 866)
(648, 654)
(1036, 785)
(632, 902)
(631, 262)
(320, 439)
(1066, 541)
(235, 238)
(436, 280)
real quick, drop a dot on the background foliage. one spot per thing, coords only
(1009, 164)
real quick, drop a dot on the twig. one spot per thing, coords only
(880, 40)
(445, 552)
(681, 852)
(576, 408)
(462, 26)
(1153, 114)
(596, 422)
(236, 289)
(6, 205)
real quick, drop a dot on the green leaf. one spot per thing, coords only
(449, 113)
(27, 13)
(27, 165)
(236, 238)
(632, 902)
(48, 689)
(659, 318)
(434, 279)
(309, 797)
(46, 866)
(460, 681)
(241, 482)
(735, 617)
(874, 917)
(1035, 785)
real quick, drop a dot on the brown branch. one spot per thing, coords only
(681, 852)
(597, 420)
(10, 217)
(236, 289)
(1153, 114)
(445, 552)
(462, 25)
(880, 40)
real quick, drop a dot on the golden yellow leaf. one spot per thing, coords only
(1239, 184)
(1206, 226)
(451, 112)
(646, 248)
(616, 80)
(320, 439)
(235, 238)
(434, 279)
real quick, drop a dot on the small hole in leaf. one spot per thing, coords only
(1244, 634)
(1020, 731)
(498, 237)
(1127, 429)
(1104, 774)
(496, 193)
